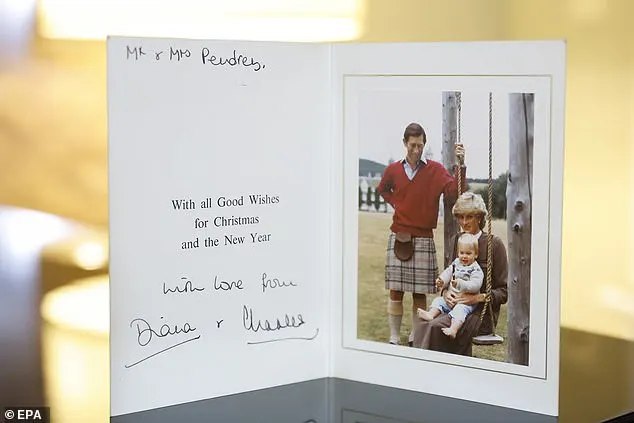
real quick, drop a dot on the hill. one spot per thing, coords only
(370, 167)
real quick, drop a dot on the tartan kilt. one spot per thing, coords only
(418, 274)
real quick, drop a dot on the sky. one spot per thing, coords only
(383, 116)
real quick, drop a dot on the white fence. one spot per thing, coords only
(371, 201)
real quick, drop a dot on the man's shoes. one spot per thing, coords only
(409, 343)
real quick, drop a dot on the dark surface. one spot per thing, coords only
(333, 401)
(296, 403)
(343, 401)
(597, 375)
(360, 402)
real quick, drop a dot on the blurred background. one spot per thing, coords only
(53, 188)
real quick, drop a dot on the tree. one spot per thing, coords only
(368, 197)
(521, 110)
(449, 140)
(360, 198)
(498, 189)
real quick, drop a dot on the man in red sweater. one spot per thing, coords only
(413, 186)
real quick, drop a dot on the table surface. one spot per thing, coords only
(338, 401)
(333, 401)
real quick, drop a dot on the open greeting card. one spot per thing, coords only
(255, 189)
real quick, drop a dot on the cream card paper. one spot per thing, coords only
(247, 240)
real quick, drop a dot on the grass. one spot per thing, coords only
(372, 295)
(474, 186)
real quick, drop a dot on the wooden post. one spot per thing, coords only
(519, 206)
(449, 140)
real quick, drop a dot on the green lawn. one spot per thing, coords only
(372, 314)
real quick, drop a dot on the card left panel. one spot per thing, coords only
(218, 179)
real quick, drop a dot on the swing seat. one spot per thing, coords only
(491, 339)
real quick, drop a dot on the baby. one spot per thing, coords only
(463, 275)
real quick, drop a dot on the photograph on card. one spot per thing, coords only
(445, 218)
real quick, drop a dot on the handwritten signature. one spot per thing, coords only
(268, 326)
(146, 333)
(288, 322)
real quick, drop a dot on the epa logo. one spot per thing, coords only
(26, 414)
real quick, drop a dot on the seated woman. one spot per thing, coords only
(470, 212)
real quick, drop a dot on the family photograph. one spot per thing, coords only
(444, 221)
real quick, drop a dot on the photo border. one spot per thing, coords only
(350, 340)
(503, 58)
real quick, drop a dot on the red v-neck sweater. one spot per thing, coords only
(416, 202)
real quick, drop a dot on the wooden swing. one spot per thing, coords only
(490, 339)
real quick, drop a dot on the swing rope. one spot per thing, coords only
(487, 298)
(459, 141)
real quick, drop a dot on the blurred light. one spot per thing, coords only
(620, 300)
(90, 255)
(26, 231)
(81, 306)
(75, 351)
(76, 375)
(16, 25)
(588, 10)
(281, 20)
(630, 222)
(17, 9)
